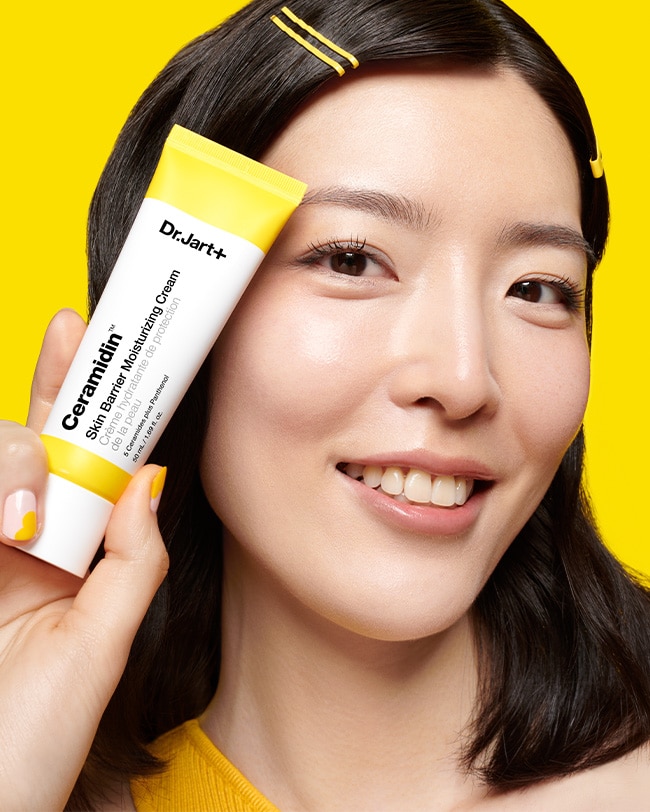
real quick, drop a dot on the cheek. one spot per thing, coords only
(285, 366)
(553, 397)
(284, 382)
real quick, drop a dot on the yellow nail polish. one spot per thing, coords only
(157, 486)
(19, 516)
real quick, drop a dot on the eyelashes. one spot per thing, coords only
(353, 258)
(550, 291)
(347, 258)
(331, 246)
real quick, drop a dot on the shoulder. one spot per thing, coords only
(196, 775)
(624, 781)
(121, 797)
(611, 787)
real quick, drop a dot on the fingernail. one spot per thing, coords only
(19, 516)
(156, 488)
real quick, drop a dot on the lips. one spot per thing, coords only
(414, 485)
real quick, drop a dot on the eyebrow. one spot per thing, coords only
(413, 215)
(387, 206)
(545, 234)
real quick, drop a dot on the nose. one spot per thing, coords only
(443, 354)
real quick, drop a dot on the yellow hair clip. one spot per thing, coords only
(318, 36)
(597, 166)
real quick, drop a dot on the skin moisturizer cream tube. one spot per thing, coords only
(207, 221)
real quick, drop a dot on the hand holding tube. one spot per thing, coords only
(207, 220)
(63, 641)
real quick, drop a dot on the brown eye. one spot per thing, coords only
(349, 262)
(536, 292)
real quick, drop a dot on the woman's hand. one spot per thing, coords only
(63, 641)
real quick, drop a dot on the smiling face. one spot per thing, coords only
(396, 389)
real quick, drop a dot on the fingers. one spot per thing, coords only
(61, 340)
(23, 466)
(23, 474)
(111, 604)
(63, 654)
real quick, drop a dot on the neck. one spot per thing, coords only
(319, 717)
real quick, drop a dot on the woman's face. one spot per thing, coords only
(421, 318)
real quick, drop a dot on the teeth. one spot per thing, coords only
(401, 498)
(355, 470)
(372, 475)
(415, 486)
(443, 491)
(461, 491)
(392, 482)
(464, 489)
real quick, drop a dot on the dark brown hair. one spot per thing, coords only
(562, 629)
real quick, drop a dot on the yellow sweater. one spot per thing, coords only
(198, 778)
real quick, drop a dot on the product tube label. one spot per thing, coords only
(174, 286)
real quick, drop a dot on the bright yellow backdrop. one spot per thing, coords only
(73, 70)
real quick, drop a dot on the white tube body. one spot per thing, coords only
(175, 284)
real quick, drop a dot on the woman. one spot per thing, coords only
(416, 610)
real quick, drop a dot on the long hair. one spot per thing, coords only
(560, 625)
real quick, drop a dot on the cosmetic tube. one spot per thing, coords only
(206, 223)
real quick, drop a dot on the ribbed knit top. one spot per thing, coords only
(198, 778)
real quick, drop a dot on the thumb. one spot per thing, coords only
(61, 340)
(62, 661)
(114, 599)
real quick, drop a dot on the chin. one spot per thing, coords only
(400, 617)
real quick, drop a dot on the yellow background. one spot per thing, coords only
(73, 70)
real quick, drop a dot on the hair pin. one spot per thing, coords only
(318, 36)
(597, 166)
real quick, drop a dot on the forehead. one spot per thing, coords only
(462, 134)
